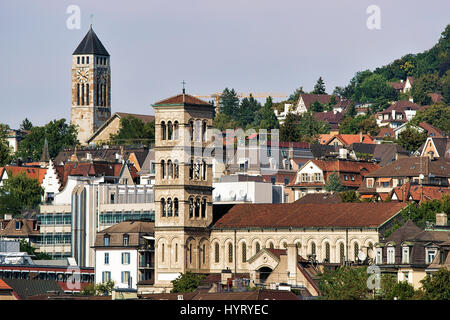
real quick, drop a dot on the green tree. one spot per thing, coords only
(391, 288)
(59, 134)
(310, 129)
(247, 110)
(316, 106)
(344, 283)
(134, 131)
(229, 104)
(423, 85)
(349, 196)
(437, 115)
(26, 125)
(20, 192)
(446, 87)
(289, 129)
(269, 119)
(294, 96)
(411, 139)
(25, 246)
(222, 122)
(5, 150)
(319, 87)
(187, 282)
(437, 285)
(334, 184)
(362, 123)
(373, 88)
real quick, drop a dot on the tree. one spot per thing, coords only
(334, 184)
(269, 119)
(101, 289)
(229, 104)
(134, 131)
(423, 85)
(222, 122)
(344, 283)
(349, 196)
(373, 88)
(436, 286)
(5, 150)
(19, 192)
(187, 282)
(437, 115)
(316, 106)
(294, 96)
(59, 135)
(426, 211)
(26, 125)
(25, 246)
(411, 139)
(303, 127)
(319, 87)
(362, 123)
(391, 288)
(247, 110)
(446, 87)
(289, 130)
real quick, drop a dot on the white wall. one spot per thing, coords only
(242, 191)
(116, 267)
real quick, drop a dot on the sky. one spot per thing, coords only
(258, 46)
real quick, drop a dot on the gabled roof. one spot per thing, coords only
(346, 139)
(431, 130)
(406, 231)
(442, 146)
(297, 215)
(181, 99)
(32, 172)
(4, 286)
(309, 98)
(91, 44)
(26, 288)
(26, 228)
(386, 153)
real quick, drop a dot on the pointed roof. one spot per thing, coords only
(45, 157)
(183, 99)
(91, 44)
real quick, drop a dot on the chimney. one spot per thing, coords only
(360, 136)
(441, 219)
(292, 260)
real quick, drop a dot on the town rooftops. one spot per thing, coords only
(181, 99)
(298, 215)
(134, 229)
(91, 44)
(320, 198)
(33, 172)
(413, 167)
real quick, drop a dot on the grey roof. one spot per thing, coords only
(91, 44)
(363, 147)
(26, 288)
(386, 153)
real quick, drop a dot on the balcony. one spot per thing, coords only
(146, 265)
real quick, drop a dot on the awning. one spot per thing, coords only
(384, 180)
(148, 237)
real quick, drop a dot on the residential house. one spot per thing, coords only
(403, 86)
(19, 228)
(435, 148)
(124, 253)
(345, 139)
(409, 251)
(313, 175)
(418, 193)
(415, 170)
(422, 127)
(31, 171)
(397, 114)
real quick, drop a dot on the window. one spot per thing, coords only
(125, 276)
(305, 177)
(162, 252)
(176, 252)
(272, 180)
(18, 225)
(204, 254)
(191, 169)
(175, 207)
(197, 207)
(191, 130)
(78, 94)
(163, 130)
(204, 208)
(216, 252)
(82, 94)
(204, 131)
(197, 170)
(244, 252)
(106, 241)
(163, 207)
(106, 257)
(82, 60)
(175, 169)
(391, 255)
(341, 253)
(327, 252)
(258, 247)
(204, 167)
(431, 253)
(175, 130)
(286, 181)
(379, 258)
(345, 177)
(353, 178)
(125, 258)
(191, 207)
(169, 207)
(169, 130)
(369, 183)
(190, 253)
(87, 60)
(106, 276)
(126, 239)
(87, 94)
(313, 248)
(230, 252)
(317, 177)
(78, 60)
(405, 255)
(163, 169)
(356, 250)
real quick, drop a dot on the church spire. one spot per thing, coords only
(45, 157)
(91, 44)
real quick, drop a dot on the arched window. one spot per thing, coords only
(87, 93)
(197, 207)
(197, 170)
(356, 250)
(204, 131)
(204, 170)
(169, 169)
(97, 95)
(191, 207)
(82, 60)
(244, 252)
(230, 252)
(175, 130)
(204, 254)
(82, 94)
(341, 253)
(203, 207)
(176, 252)
(258, 247)
(162, 252)
(163, 169)
(191, 130)
(163, 207)
(191, 169)
(327, 252)
(216, 252)
(169, 130)
(271, 246)
(175, 169)
(313, 248)
(190, 253)
(175, 207)
(163, 130)
(169, 207)
(78, 94)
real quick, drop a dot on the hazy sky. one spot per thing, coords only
(252, 45)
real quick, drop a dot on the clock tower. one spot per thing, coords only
(91, 86)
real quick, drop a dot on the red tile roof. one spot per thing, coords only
(432, 131)
(4, 286)
(435, 97)
(346, 139)
(419, 193)
(308, 215)
(188, 99)
(34, 172)
(386, 132)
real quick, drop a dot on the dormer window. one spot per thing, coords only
(106, 241)
(379, 258)
(126, 239)
(405, 255)
(430, 254)
(391, 255)
(18, 225)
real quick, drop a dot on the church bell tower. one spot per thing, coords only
(91, 86)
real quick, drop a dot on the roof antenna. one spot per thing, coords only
(92, 19)
(184, 90)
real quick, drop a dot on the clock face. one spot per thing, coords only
(83, 75)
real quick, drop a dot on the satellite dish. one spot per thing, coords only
(361, 255)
